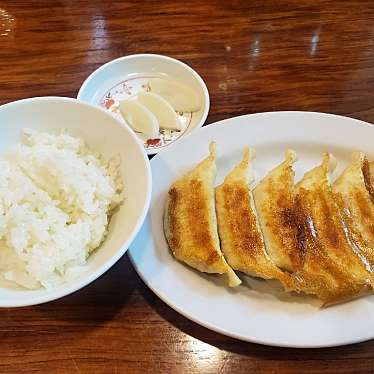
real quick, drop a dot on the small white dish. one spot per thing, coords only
(105, 134)
(124, 77)
(254, 311)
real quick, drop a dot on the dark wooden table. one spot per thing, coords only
(255, 56)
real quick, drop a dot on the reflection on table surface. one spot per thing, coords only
(254, 56)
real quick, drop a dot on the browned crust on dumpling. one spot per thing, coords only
(189, 218)
(332, 269)
(241, 239)
(190, 223)
(354, 195)
(274, 198)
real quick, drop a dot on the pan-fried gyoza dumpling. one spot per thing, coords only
(241, 239)
(371, 173)
(354, 194)
(331, 268)
(190, 222)
(274, 199)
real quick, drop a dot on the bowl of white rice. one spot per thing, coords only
(75, 186)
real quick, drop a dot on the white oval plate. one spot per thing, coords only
(254, 311)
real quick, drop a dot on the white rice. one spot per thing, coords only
(55, 202)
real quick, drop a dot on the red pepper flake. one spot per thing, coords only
(108, 103)
(153, 142)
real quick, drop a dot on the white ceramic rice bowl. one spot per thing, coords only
(105, 134)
